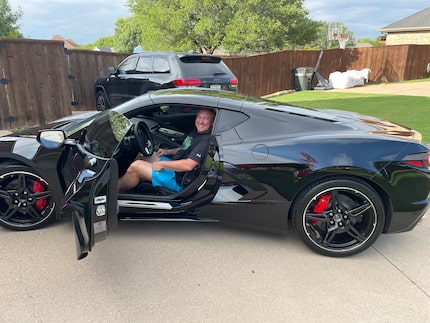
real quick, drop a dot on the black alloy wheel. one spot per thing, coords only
(102, 102)
(339, 217)
(26, 201)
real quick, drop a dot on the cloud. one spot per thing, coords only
(365, 17)
(81, 20)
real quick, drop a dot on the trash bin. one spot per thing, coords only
(303, 78)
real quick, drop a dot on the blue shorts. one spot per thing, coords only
(165, 178)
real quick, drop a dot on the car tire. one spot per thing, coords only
(102, 102)
(338, 217)
(26, 200)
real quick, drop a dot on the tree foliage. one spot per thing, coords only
(127, 34)
(373, 42)
(236, 26)
(9, 20)
(107, 41)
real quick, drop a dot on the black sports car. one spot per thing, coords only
(341, 178)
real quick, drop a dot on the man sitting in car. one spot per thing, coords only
(161, 170)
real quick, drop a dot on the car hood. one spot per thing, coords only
(24, 143)
(23, 146)
(62, 123)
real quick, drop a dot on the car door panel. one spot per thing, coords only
(90, 176)
(93, 210)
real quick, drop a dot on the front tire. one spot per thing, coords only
(26, 199)
(339, 217)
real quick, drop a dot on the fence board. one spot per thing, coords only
(37, 90)
(87, 67)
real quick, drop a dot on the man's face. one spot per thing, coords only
(203, 121)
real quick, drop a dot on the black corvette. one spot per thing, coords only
(341, 178)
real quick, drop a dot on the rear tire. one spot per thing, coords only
(26, 199)
(339, 217)
(102, 102)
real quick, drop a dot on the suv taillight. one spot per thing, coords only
(420, 160)
(234, 82)
(186, 82)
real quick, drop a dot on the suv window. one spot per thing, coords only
(144, 65)
(202, 66)
(149, 65)
(161, 65)
(128, 66)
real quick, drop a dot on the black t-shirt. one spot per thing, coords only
(195, 146)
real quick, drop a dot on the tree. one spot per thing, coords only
(234, 25)
(373, 42)
(127, 34)
(107, 41)
(8, 21)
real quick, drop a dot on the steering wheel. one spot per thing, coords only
(144, 139)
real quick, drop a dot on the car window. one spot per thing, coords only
(194, 66)
(144, 65)
(127, 66)
(161, 65)
(228, 119)
(178, 109)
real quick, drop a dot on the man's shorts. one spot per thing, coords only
(165, 178)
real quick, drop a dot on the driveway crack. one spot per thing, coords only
(403, 273)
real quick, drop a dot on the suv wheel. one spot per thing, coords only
(101, 101)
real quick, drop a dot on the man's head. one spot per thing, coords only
(204, 120)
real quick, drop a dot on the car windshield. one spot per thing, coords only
(203, 66)
(105, 132)
(73, 127)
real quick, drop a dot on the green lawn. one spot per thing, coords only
(411, 111)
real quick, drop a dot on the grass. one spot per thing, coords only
(410, 111)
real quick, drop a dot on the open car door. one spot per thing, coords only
(90, 176)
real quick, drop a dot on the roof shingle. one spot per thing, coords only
(416, 22)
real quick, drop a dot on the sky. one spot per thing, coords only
(85, 21)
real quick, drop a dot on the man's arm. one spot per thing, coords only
(180, 165)
(163, 152)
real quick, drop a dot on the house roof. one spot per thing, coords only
(419, 21)
(68, 43)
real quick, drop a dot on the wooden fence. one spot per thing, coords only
(269, 73)
(41, 81)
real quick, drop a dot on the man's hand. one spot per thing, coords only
(156, 166)
(160, 152)
(163, 152)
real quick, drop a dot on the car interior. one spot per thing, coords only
(166, 127)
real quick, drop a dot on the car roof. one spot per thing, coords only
(218, 98)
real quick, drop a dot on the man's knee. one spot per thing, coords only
(140, 168)
(133, 167)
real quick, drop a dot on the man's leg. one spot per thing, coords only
(139, 169)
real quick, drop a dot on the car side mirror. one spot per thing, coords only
(51, 138)
(111, 70)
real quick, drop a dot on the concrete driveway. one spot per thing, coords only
(188, 272)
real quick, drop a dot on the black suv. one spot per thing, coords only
(143, 72)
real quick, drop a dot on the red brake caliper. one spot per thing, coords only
(38, 187)
(322, 204)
